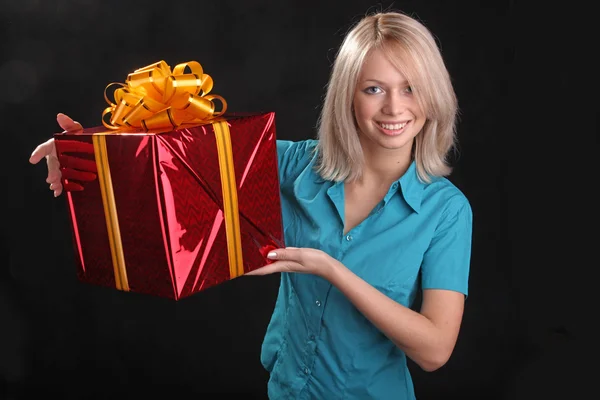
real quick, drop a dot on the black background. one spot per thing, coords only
(523, 131)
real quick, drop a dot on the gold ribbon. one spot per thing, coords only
(110, 212)
(230, 199)
(156, 98)
(137, 106)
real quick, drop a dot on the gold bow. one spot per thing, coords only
(154, 98)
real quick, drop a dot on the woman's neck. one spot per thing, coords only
(384, 166)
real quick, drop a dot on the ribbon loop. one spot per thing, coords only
(155, 98)
(194, 66)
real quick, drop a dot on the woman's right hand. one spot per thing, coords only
(66, 172)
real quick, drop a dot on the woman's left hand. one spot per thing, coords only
(301, 260)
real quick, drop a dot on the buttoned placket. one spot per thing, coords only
(321, 290)
(311, 346)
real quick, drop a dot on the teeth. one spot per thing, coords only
(393, 127)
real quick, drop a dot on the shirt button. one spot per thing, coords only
(306, 371)
(318, 303)
(395, 186)
(348, 237)
(312, 337)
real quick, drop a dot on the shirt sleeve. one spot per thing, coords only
(293, 157)
(446, 263)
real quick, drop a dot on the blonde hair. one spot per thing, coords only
(412, 49)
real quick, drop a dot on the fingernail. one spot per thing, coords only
(272, 255)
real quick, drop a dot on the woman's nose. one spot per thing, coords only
(394, 104)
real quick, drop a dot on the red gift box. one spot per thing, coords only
(173, 213)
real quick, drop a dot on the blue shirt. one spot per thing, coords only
(318, 345)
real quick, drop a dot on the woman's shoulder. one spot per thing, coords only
(445, 191)
(296, 148)
(294, 157)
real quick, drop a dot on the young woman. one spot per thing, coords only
(370, 218)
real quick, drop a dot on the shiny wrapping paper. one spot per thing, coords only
(175, 229)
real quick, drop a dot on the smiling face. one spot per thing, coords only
(386, 111)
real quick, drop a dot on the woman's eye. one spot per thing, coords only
(408, 90)
(373, 90)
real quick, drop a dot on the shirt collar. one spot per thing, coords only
(412, 187)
